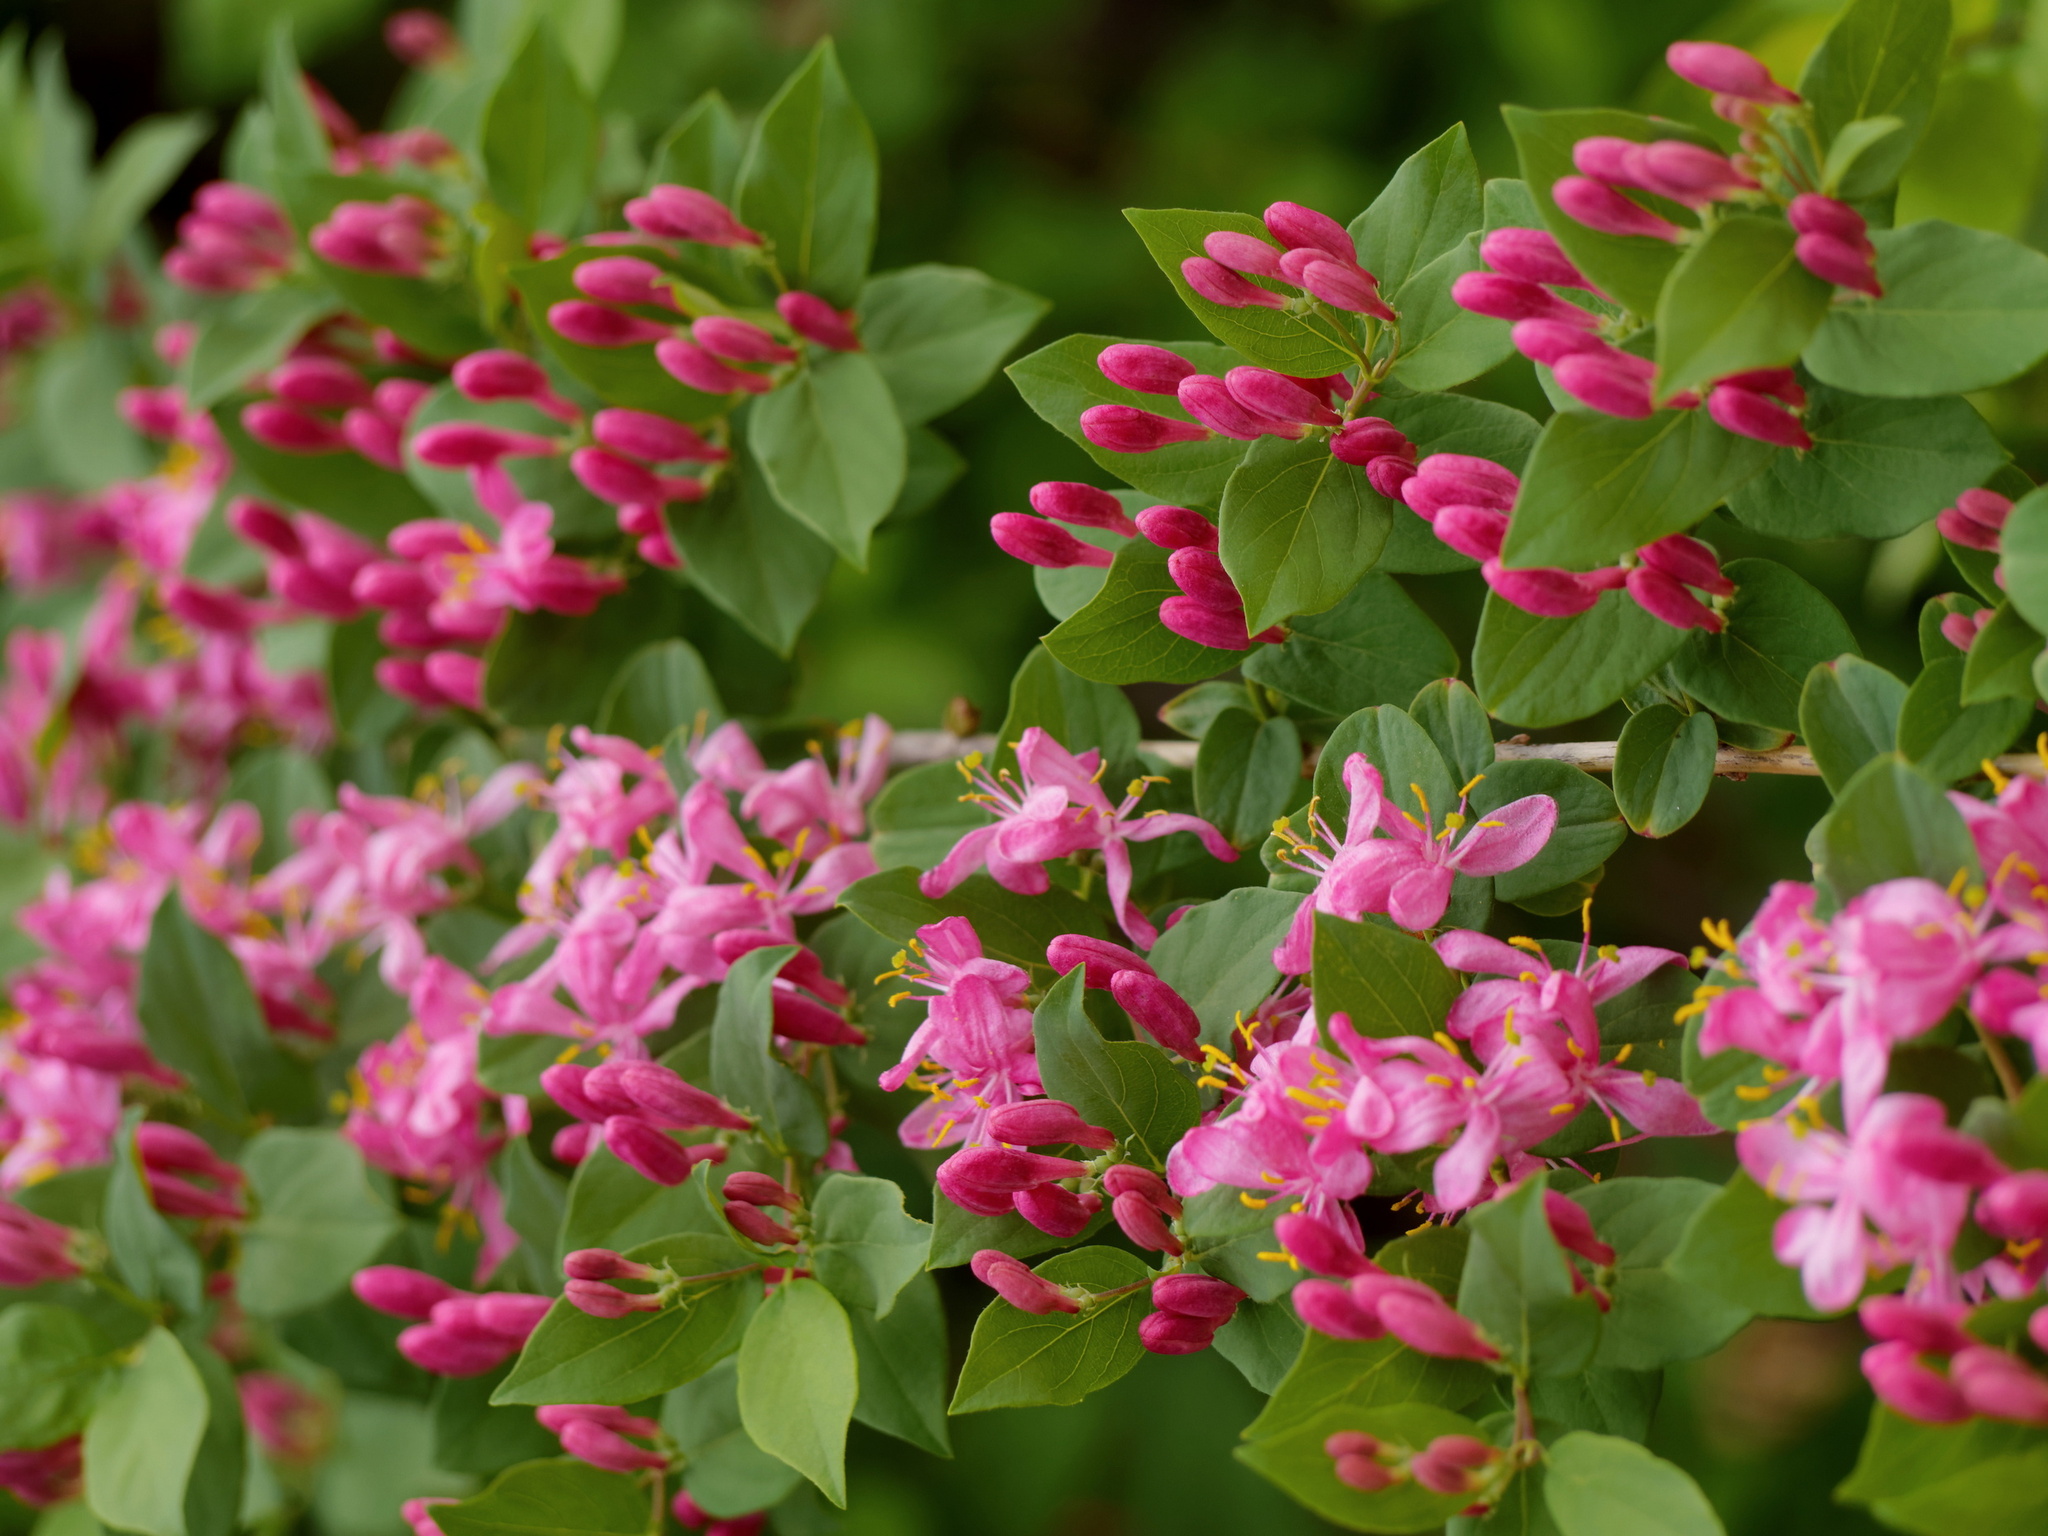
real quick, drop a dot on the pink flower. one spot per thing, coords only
(808, 795)
(467, 572)
(1408, 873)
(975, 1044)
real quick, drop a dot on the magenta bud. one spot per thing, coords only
(1130, 1179)
(1750, 414)
(1532, 255)
(1200, 574)
(397, 399)
(1057, 1210)
(1329, 1308)
(1013, 1280)
(1726, 71)
(376, 437)
(666, 1097)
(750, 1188)
(815, 320)
(1686, 559)
(1605, 158)
(1600, 207)
(2016, 1207)
(499, 375)
(1612, 382)
(1424, 1321)
(1812, 214)
(457, 676)
(1836, 261)
(607, 1449)
(1069, 501)
(1367, 438)
(1999, 1386)
(604, 1264)
(757, 1226)
(262, 524)
(1202, 1296)
(1573, 1228)
(798, 1017)
(401, 1292)
(1294, 226)
(654, 438)
(973, 1197)
(646, 1150)
(1266, 393)
(1177, 528)
(1126, 429)
(1686, 173)
(1976, 519)
(1345, 287)
(1931, 1328)
(1007, 1170)
(1043, 1122)
(684, 213)
(324, 383)
(1388, 475)
(1215, 282)
(597, 325)
(1948, 1156)
(442, 1353)
(1321, 1247)
(690, 364)
(1542, 590)
(1961, 629)
(471, 444)
(1169, 1333)
(1101, 958)
(555, 1417)
(1221, 629)
(1152, 1004)
(1514, 298)
(511, 1314)
(1446, 480)
(624, 280)
(1149, 370)
(287, 429)
(1210, 401)
(1447, 1464)
(1475, 532)
(1242, 253)
(617, 480)
(1902, 1382)
(1363, 1473)
(1143, 1224)
(1038, 542)
(1665, 597)
(1781, 384)
(738, 341)
(1549, 342)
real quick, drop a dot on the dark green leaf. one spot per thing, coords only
(561, 1497)
(1018, 1360)
(1603, 1399)
(540, 137)
(1536, 672)
(472, 1436)
(1412, 770)
(1129, 1086)
(1299, 527)
(920, 815)
(662, 689)
(55, 1363)
(2023, 556)
(1663, 767)
(1589, 827)
(809, 181)
(1247, 772)
(1726, 1250)
(1848, 714)
(1947, 739)
(213, 1491)
(612, 1206)
(146, 1252)
(1426, 210)
(85, 443)
(1656, 1317)
(1517, 1286)
(1352, 1375)
(1387, 983)
(1297, 1462)
(724, 1470)
(2001, 661)
(957, 1235)
(1012, 927)
(744, 1070)
(1226, 1237)
(799, 1379)
(280, 782)
(1263, 1340)
(830, 445)
(249, 336)
(864, 1249)
(938, 333)
(1220, 956)
(1451, 715)
(1890, 821)
(1599, 1485)
(317, 1222)
(1737, 300)
(1118, 638)
(1882, 59)
(1374, 647)
(1076, 713)
(903, 1366)
(549, 669)
(1779, 628)
(751, 558)
(143, 1438)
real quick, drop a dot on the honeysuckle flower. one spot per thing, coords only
(973, 1053)
(602, 795)
(468, 572)
(832, 803)
(1406, 874)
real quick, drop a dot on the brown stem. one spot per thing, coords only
(2001, 1063)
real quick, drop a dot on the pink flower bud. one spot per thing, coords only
(1177, 528)
(457, 676)
(798, 1017)
(376, 437)
(1444, 480)
(1168, 1333)
(1038, 542)
(1688, 560)
(152, 412)
(1149, 370)
(1266, 393)
(170, 1148)
(1202, 1296)
(750, 1188)
(1999, 1386)
(1004, 1170)
(2016, 1207)
(1686, 173)
(1448, 1463)
(442, 1353)
(1329, 1308)
(1931, 1328)
(1599, 207)
(1948, 1156)
(1750, 414)
(607, 1449)
(1221, 629)
(1532, 255)
(469, 444)
(1346, 288)
(1475, 532)
(1611, 382)
(738, 341)
(1200, 574)
(1727, 71)
(1836, 261)
(754, 1224)
(1126, 429)
(596, 325)
(604, 1264)
(1152, 1004)
(287, 429)
(654, 438)
(1143, 1224)
(1219, 285)
(556, 1417)
(511, 1314)
(397, 399)
(1903, 1383)
(33, 1249)
(1363, 1473)
(1543, 590)
(1549, 342)
(1069, 501)
(1975, 520)
(684, 213)
(1242, 253)
(1210, 401)
(407, 678)
(421, 40)
(1012, 1280)
(1514, 298)
(690, 364)
(571, 1144)
(2037, 1328)
(1812, 214)
(646, 1150)
(664, 1096)
(1293, 226)
(1573, 1228)
(1367, 438)
(1130, 1179)
(499, 375)
(324, 383)
(624, 280)
(242, 206)
(817, 321)
(1665, 597)
(1424, 1321)
(1042, 1122)
(1057, 1210)
(40, 1478)
(617, 480)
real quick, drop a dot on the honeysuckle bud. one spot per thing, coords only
(1837, 261)
(688, 363)
(376, 437)
(1448, 1464)
(604, 1264)
(501, 375)
(1931, 1328)
(1573, 1228)
(1975, 520)
(1038, 542)
(605, 1086)
(1170, 1333)
(804, 967)
(1045, 1122)
(173, 1149)
(421, 39)
(1329, 1308)
(1100, 958)
(1388, 474)
(177, 1197)
(1686, 173)
(817, 321)
(442, 1353)
(1209, 400)
(1369, 437)
(511, 1314)
(1057, 1210)
(670, 212)
(1599, 207)
(287, 429)
(738, 341)
(1013, 1280)
(1319, 1247)
(1549, 342)
(1424, 1321)
(1275, 395)
(2016, 1206)
(1130, 1179)
(1202, 1296)
(555, 1417)
(611, 478)
(1126, 429)
(1069, 501)
(1947, 1156)
(324, 383)
(472, 444)
(1345, 287)
(1200, 574)
(397, 399)
(33, 1249)
(1752, 414)
(646, 1150)
(754, 1224)
(1149, 370)
(1532, 255)
(1222, 629)
(1901, 1381)
(1219, 285)
(1458, 479)
(1611, 381)
(1294, 225)
(1475, 532)
(571, 1144)
(1361, 1471)
(1143, 1224)
(667, 1098)
(457, 676)
(1686, 559)
(1543, 590)
(1242, 253)
(1153, 1005)
(1177, 528)
(624, 280)
(1999, 1386)
(1514, 298)
(750, 1188)
(1006, 1169)
(1665, 597)
(599, 325)
(406, 678)
(1727, 71)
(607, 1449)
(657, 439)
(797, 1017)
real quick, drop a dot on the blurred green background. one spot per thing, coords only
(1013, 133)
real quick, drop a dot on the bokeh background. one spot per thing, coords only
(1013, 133)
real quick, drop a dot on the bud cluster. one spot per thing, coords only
(632, 1105)
(1314, 254)
(235, 238)
(457, 1332)
(1365, 1302)
(320, 404)
(404, 236)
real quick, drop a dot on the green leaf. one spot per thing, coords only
(1118, 638)
(85, 443)
(1425, 211)
(1012, 927)
(724, 1470)
(1247, 772)
(1358, 1374)
(957, 1235)
(213, 1490)
(1061, 381)
(1262, 1340)
(612, 1206)
(1599, 1485)
(830, 445)
(1962, 310)
(561, 1497)
(1225, 1237)
(663, 688)
(143, 1438)
(280, 782)
(864, 1249)
(1129, 1086)
(1388, 983)
(1737, 300)
(1299, 527)
(1075, 712)
(1850, 144)
(1656, 1318)
(1599, 487)
(1726, 1250)
(2000, 664)
(1451, 715)
(1536, 672)
(135, 173)
(1485, 429)
(920, 815)
(1220, 956)
(1848, 714)
(1375, 647)
(903, 1367)
(548, 669)
(799, 1380)
(1947, 739)
(744, 1070)
(317, 1222)
(702, 148)
(2023, 557)
(1589, 826)
(1878, 468)
(1889, 822)
(1297, 1462)
(364, 498)
(1779, 628)
(1442, 342)
(1017, 1360)
(1517, 1286)
(573, 1357)
(56, 1364)
(1601, 1399)
(1663, 767)
(1882, 59)
(301, 141)
(1978, 1478)
(472, 1436)
(1299, 340)
(1411, 768)
(938, 333)
(147, 1254)
(809, 182)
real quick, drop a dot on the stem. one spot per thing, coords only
(2001, 1063)
(1525, 1415)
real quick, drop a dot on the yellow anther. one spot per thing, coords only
(1998, 780)
(1471, 785)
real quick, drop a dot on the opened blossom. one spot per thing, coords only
(974, 1051)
